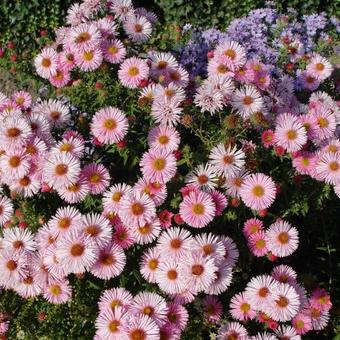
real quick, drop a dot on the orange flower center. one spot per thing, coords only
(55, 290)
(11, 265)
(14, 161)
(137, 209)
(55, 115)
(113, 326)
(146, 229)
(247, 100)
(13, 132)
(283, 237)
(323, 122)
(197, 269)
(163, 139)
(176, 243)
(159, 164)
(83, 37)
(64, 223)
(77, 250)
(172, 275)
(153, 264)
(107, 259)
(88, 55)
(148, 310)
(208, 249)
(92, 230)
(133, 71)
(25, 181)
(263, 292)
(198, 209)
(17, 244)
(260, 244)
(258, 191)
(202, 179)
(110, 124)
(282, 301)
(138, 28)
(137, 334)
(230, 53)
(112, 50)
(46, 62)
(334, 166)
(245, 307)
(320, 66)
(228, 159)
(116, 196)
(66, 147)
(61, 169)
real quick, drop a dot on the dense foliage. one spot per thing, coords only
(221, 104)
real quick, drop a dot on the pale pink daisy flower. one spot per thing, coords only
(231, 251)
(15, 164)
(166, 113)
(110, 263)
(97, 228)
(163, 137)
(58, 292)
(14, 132)
(319, 318)
(169, 92)
(212, 308)
(223, 277)
(325, 123)
(65, 220)
(75, 15)
(158, 166)
(22, 99)
(252, 226)
(122, 9)
(187, 296)
(123, 236)
(55, 111)
(27, 186)
(203, 176)
(29, 287)
(161, 62)
(261, 291)
(320, 299)
(149, 264)
(247, 101)
(61, 78)
(290, 133)
(136, 209)
(46, 62)
(39, 125)
(169, 277)
(332, 145)
(285, 305)
(61, 169)
(141, 327)
(198, 271)
(209, 245)
(209, 99)
(285, 332)
(240, 309)
(45, 236)
(109, 324)
(197, 209)
(258, 244)
(113, 197)
(219, 68)
(73, 145)
(320, 67)
(233, 184)
(138, 28)
(75, 192)
(97, 176)
(308, 80)
(66, 58)
(51, 262)
(16, 239)
(302, 323)
(13, 267)
(147, 233)
(76, 252)
(132, 71)
(107, 27)
(89, 60)
(328, 168)
(83, 37)
(151, 305)
(226, 161)
(113, 51)
(282, 239)
(258, 191)
(177, 316)
(232, 330)
(6, 209)
(177, 76)
(175, 243)
(284, 274)
(233, 53)
(220, 201)
(157, 191)
(114, 298)
(305, 163)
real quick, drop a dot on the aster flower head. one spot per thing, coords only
(284, 274)
(233, 53)
(158, 166)
(232, 330)
(328, 167)
(22, 99)
(141, 327)
(149, 264)
(147, 233)
(83, 37)
(115, 298)
(226, 161)
(282, 239)
(74, 192)
(258, 244)
(203, 176)
(166, 112)
(132, 71)
(240, 308)
(320, 67)
(258, 191)
(46, 62)
(65, 220)
(209, 99)
(197, 209)
(163, 137)
(252, 226)
(58, 292)
(18, 239)
(6, 209)
(113, 51)
(89, 59)
(138, 28)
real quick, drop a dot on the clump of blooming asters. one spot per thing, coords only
(41, 153)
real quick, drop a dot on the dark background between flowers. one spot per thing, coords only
(28, 25)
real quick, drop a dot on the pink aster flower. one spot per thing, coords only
(290, 133)
(286, 332)
(6, 209)
(223, 277)
(209, 245)
(231, 251)
(61, 169)
(61, 78)
(22, 99)
(136, 209)
(212, 308)
(156, 190)
(149, 264)
(113, 51)
(147, 233)
(109, 324)
(166, 112)
(132, 71)
(17, 239)
(226, 161)
(58, 292)
(268, 138)
(15, 164)
(110, 263)
(197, 209)
(258, 191)
(138, 28)
(233, 53)
(114, 298)
(320, 299)
(198, 271)
(220, 201)
(83, 37)
(232, 330)
(158, 166)
(141, 327)
(151, 305)
(97, 176)
(240, 308)
(258, 244)
(305, 163)
(302, 323)
(55, 111)
(328, 167)
(113, 197)
(308, 81)
(252, 226)
(284, 274)
(325, 123)
(282, 239)
(73, 145)
(89, 60)
(163, 137)
(66, 59)
(219, 68)
(76, 252)
(320, 67)
(177, 316)
(65, 220)
(123, 236)
(46, 62)
(204, 177)
(75, 192)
